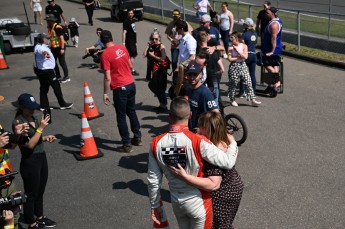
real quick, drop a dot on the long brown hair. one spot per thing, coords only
(215, 127)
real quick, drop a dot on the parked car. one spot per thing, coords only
(16, 35)
(119, 9)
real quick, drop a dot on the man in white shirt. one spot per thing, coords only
(44, 69)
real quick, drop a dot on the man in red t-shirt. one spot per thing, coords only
(115, 62)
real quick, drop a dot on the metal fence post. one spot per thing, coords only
(299, 31)
(250, 11)
(329, 19)
(162, 10)
(238, 10)
(184, 10)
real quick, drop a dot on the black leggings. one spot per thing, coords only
(61, 57)
(34, 171)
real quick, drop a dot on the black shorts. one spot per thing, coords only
(132, 49)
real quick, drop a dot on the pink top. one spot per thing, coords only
(240, 48)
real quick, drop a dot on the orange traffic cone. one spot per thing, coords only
(90, 107)
(3, 64)
(88, 148)
(164, 224)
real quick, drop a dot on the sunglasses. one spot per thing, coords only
(155, 39)
(203, 22)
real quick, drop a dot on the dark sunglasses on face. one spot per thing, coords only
(155, 39)
(202, 22)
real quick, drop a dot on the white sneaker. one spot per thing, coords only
(255, 103)
(234, 104)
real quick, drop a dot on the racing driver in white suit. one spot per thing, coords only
(192, 206)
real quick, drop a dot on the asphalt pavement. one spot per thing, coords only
(292, 163)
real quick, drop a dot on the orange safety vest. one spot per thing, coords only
(55, 41)
(5, 163)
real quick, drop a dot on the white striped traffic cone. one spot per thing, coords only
(90, 107)
(88, 148)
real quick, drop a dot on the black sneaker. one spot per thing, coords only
(127, 148)
(134, 73)
(37, 226)
(46, 222)
(136, 142)
(58, 77)
(66, 106)
(65, 79)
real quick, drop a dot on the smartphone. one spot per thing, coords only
(47, 113)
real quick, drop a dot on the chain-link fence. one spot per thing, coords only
(315, 29)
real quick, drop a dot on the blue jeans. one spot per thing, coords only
(225, 39)
(215, 90)
(124, 103)
(200, 14)
(174, 57)
(251, 63)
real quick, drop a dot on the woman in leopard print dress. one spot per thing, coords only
(226, 200)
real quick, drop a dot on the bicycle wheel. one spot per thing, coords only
(237, 127)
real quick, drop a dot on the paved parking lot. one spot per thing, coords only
(292, 163)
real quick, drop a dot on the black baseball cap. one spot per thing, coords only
(193, 68)
(273, 10)
(28, 101)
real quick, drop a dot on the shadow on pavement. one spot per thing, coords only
(105, 19)
(29, 78)
(74, 142)
(139, 187)
(137, 163)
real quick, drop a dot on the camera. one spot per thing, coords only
(14, 139)
(11, 202)
(150, 49)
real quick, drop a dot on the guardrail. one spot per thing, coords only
(300, 27)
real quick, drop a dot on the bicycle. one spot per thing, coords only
(235, 123)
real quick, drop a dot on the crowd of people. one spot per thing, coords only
(205, 191)
(197, 155)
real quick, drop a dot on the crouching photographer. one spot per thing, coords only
(10, 202)
(9, 140)
(93, 51)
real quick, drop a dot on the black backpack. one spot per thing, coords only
(65, 32)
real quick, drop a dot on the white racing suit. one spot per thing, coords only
(192, 206)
